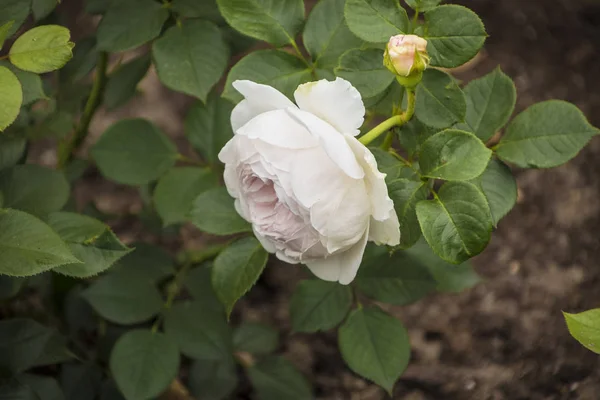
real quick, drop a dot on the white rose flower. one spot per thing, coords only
(310, 189)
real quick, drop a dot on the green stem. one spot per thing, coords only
(65, 152)
(383, 127)
(187, 259)
(396, 120)
(415, 21)
(299, 53)
(399, 157)
(173, 289)
(304, 60)
(387, 142)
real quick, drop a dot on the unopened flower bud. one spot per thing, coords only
(406, 56)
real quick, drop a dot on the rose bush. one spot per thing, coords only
(310, 189)
(122, 299)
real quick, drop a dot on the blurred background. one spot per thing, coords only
(505, 339)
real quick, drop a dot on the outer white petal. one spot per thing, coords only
(385, 232)
(281, 256)
(375, 180)
(342, 220)
(279, 129)
(314, 177)
(337, 102)
(266, 243)
(341, 267)
(258, 99)
(333, 142)
(228, 153)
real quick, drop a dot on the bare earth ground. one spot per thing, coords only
(504, 339)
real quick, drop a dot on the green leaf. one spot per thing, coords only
(34, 189)
(134, 152)
(450, 277)
(129, 24)
(376, 20)
(318, 305)
(238, 42)
(144, 363)
(208, 127)
(276, 22)
(28, 246)
(365, 70)
(78, 314)
(24, 344)
(406, 193)
(15, 11)
(236, 270)
(457, 223)
(191, 58)
(124, 299)
(413, 134)
(206, 9)
(213, 212)
(454, 35)
(176, 191)
(255, 338)
(390, 165)
(440, 102)
(198, 283)
(200, 332)
(31, 84)
(375, 345)
(279, 69)
(453, 155)
(585, 328)
(326, 35)
(11, 97)
(42, 49)
(81, 381)
(545, 135)
(490, 103)
(122, 84)
(12, 149)
(90, 240)
(388, 102)
(423, 5)
(213, 380)
(146, 262)
(43, 387)
(4, 29)
(42, 8)
(275, 378)
(85, 57)
(394, 279)
(499, 188)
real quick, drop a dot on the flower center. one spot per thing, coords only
(279, 218)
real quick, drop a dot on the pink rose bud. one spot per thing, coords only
(406, 56)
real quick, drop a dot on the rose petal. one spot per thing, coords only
(266, 243)
(337, 102)
(343, 218)
(258, 99)
(375, 180)
(341, 267)
(314, 177)
(279, 129)
(333, 142)
(385, 232)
